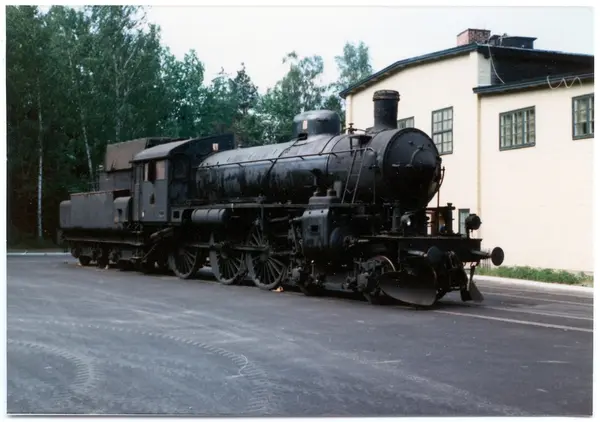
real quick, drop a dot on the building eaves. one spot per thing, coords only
(401, 64)
(485, 49)
(547, 82)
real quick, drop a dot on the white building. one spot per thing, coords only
(515, 129)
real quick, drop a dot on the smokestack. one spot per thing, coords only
(386, 109)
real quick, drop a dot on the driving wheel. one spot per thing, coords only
(185, 261)
(227, 264)
(266, 270)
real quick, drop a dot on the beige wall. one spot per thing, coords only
(537, 201)
(429, 87)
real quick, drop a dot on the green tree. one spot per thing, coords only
(183, 94)
(353, 65)
(298, 91)
(27, 70)
(244, 95)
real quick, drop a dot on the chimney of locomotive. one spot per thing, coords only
(386, 109)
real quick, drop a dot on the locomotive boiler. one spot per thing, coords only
(385, 165)
(325, 210)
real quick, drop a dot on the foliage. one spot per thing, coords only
(81, 78)
(538, 274)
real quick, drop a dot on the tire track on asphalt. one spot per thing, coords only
(86, 377)
(262, 393)
(443, 393)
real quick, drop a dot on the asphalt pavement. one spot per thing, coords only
(83, 340)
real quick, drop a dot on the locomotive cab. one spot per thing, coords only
(163, 177)
(150, 189)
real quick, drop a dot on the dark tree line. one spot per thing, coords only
(79, 79)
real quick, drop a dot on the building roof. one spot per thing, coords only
(485, 49)
(537, 83)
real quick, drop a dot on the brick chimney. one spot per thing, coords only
(469, 36)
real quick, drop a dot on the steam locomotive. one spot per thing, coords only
(326, 210)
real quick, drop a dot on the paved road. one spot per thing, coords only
(85, 340)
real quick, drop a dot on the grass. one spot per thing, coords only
(539, 274)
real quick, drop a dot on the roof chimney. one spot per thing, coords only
(469, 36)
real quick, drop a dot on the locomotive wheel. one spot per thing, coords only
(162, 265)
(310, 289)
(185, 261)
(227, 265)
(102, 261)
(125, 265)
(84, 260)
(376, 296)
(265, 270)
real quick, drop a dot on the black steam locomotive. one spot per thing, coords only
(324, 210)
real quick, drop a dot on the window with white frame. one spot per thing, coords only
(408, 122)
(583, 116)
(517, 128)
(442, 129)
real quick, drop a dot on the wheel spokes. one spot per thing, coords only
(227, 264)
(266, 270)
(186, 261)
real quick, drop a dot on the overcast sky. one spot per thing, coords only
(261, 36)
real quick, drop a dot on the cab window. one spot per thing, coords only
(155, 170)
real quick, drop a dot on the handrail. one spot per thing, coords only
(274, 160)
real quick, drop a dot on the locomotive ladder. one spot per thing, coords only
(355, 190)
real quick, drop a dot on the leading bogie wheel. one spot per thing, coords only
(376, 295)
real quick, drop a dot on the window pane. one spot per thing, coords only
(519, 134)
(531, 126)
(160, 170)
